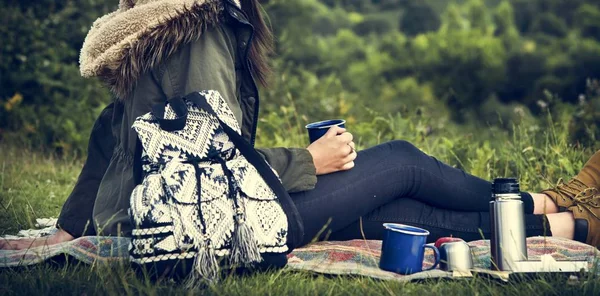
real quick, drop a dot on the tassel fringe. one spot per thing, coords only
(244, 249)
(206, 267)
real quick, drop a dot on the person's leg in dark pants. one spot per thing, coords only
(76, 214)
(383, 174)
(439, 222)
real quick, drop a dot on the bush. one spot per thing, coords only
(472, 64)
(477, 15)
(43, 99)
(345, 58)
(550, 24)
(504, 18)
(584, 127)
(524, 68)
(373, 24)
(419, 17)
(588, 21)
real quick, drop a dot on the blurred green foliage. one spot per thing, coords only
(43, 99)
(468, 64)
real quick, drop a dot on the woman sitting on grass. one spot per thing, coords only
(152, 50)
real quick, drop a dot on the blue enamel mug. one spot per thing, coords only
(318, 129)
(403, 249)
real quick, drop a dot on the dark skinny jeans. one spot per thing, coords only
(396, 182)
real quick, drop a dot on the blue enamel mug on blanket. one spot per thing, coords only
(403, 249)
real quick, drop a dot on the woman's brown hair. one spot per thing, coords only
(262, 44)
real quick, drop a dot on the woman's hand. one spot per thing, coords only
(26, 243)
(333, 152)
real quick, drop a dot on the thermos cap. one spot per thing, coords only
(505, 186)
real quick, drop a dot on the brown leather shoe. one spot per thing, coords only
(586, 213)
(564, 194)
(586, 181)
(590, 173)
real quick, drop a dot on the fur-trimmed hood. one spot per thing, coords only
(123, 44)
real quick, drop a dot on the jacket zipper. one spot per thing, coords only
(256, 100)
(255, 88)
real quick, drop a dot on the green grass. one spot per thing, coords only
(82, 280)
(34, 184)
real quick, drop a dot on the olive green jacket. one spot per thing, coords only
(153, 50)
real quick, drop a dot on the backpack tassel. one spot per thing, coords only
(206, 267)
(244, 246)
(205, 264)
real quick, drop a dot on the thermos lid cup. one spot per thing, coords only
(456, 256)
(505, 186)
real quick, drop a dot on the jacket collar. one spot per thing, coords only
(127, 4)
(141, 34)
(236, 3)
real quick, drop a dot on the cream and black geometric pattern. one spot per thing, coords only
(171, 220)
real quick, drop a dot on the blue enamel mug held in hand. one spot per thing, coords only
(318, 129)
(403, 249)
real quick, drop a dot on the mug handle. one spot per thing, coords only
(437, 257)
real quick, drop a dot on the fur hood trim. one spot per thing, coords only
(141, 34)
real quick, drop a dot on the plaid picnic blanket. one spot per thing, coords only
(355, 257)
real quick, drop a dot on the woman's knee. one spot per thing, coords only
(402, 146)
(404, 153)
(393, 154)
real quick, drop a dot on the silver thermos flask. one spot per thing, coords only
(507, 242)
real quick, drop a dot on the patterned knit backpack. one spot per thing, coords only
(206, 196)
